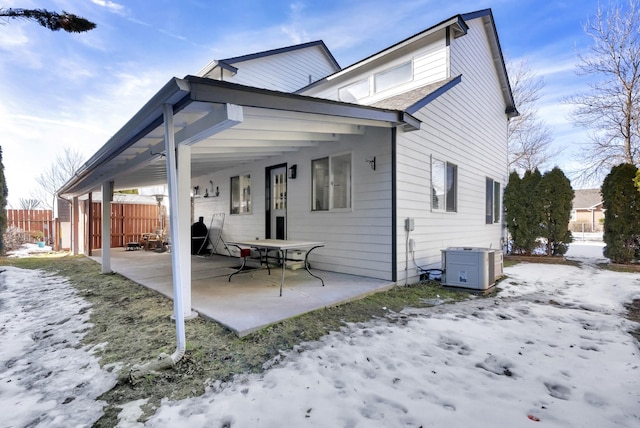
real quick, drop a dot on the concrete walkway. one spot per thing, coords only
(251, 300)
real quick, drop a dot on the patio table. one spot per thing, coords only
(280, 245)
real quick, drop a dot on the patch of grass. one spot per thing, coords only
(509, 263)
(133, 325)
(629, 268)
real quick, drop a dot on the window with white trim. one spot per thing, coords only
(241, 194)
(355, 91)
(331, 183)
(492, 208)
(444, 184)
(393, 77)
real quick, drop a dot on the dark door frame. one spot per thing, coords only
(267, 195)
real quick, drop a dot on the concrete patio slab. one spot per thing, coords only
(251, 300)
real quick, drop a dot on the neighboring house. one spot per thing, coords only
(387, 161)
(587, 214)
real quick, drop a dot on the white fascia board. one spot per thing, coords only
(455, 21)
(215, 122)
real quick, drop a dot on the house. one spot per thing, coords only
(387, 161)
(587, 214)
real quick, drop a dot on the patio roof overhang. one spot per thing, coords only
(225, 124)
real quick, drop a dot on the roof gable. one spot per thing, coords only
(285, 49)
(430, 64)
(269, 69)
(487, 17)
(459, 29)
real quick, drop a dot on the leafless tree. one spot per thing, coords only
(59, 172)
(530, 139)
(609, 109)
(29, 204)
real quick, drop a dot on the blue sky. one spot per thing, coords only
(76, 90)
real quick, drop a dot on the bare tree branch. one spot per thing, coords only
(28, 204)
(609, 109)
(530, 139)
(58, 173)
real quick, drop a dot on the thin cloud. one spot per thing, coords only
(110, 6)
(12, 39)
(175, 36)
(296, 29)
(137, 21)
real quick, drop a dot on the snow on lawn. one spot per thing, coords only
(552, 348)
(46, 379)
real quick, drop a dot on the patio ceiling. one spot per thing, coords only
(226, 125)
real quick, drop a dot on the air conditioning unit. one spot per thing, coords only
(499, 264)
(469, 267)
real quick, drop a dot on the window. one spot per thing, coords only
(492, 209)
(444, 183)
(355, 91)
(241, 194)
(279, 191)
(393, 77)
(331, 183)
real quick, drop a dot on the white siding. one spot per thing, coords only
(466, 126)
(357, 241)
(287, 71)
(429, 58)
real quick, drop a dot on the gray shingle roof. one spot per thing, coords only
(407, 99)
(586, 198)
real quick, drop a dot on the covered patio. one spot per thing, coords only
(251, 300)
(195, 128)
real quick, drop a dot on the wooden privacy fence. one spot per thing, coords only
(32, 221)
(128, 223)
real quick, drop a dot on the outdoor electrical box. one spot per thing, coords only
(408, 224)
(469, 267)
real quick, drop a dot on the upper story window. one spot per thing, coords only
(444, 183)
(241, 194)
(355, 91)
(393, 77)
(331, 183)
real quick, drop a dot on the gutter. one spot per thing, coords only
(172, 92)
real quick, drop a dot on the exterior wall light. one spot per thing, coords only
(293, 171)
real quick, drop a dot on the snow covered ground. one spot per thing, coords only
(552, 348)
(46, 378)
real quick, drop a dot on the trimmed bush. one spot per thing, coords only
(523, 211)
(556, 196)
(621, 202)
(539, 207)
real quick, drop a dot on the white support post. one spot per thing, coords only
(178, 240)
(107, 197)
(75, 225)
(184, 224)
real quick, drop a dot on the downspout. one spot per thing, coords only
(394, 207)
